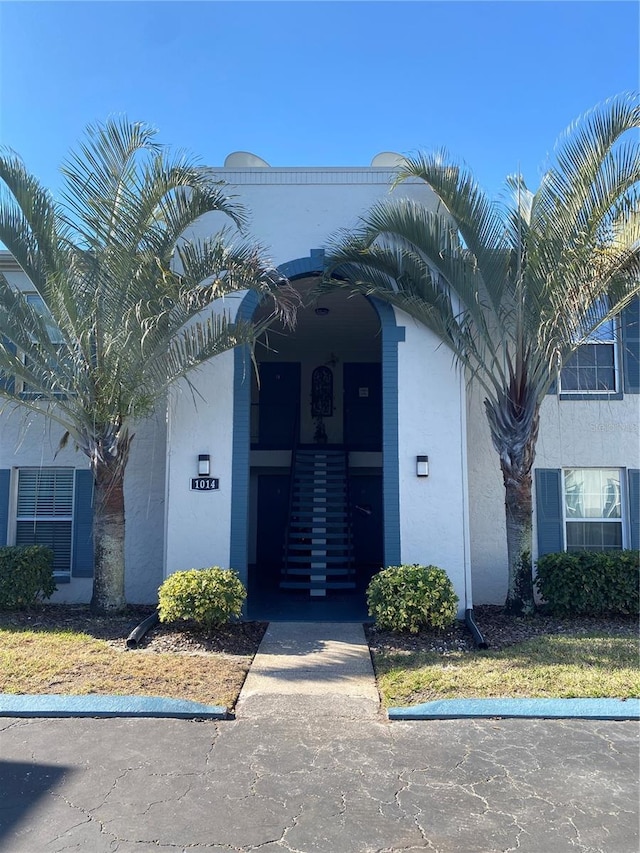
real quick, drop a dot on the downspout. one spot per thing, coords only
(138, 632)
(469, 621)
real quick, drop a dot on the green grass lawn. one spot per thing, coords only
(71, 662)
(593, 665)
(589, 666)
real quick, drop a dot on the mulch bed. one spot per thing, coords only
(499, 630)
(243, 638)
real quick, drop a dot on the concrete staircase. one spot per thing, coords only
(319, 549)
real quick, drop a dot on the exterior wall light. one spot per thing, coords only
(422, 466)
(204, 464)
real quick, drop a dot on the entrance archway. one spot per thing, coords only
(327, 388)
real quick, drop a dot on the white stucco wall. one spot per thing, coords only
(433, 510)
(573, 433)
(144, 498)
(291, 212)
(590, 434)
(197, 523)
(486, 508)
(28, 439)
(294, 210)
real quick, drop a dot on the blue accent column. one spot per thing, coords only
(391, 336)
(241, 447)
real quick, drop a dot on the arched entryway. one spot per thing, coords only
(322, 411)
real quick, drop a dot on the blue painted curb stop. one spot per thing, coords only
(54, 705)
(580, 709)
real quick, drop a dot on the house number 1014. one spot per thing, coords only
(204, 484)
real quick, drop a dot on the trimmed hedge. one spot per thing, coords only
(408, 598)
(590, 583)
(209, 597)
(26, 576)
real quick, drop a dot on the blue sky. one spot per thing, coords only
(315, 83)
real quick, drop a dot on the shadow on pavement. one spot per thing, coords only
(23, 785)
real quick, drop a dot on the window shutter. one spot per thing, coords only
(630, 322)
(5, 480)
(83, 526)
(549, 511)
(634, 507)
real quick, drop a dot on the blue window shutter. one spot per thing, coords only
(549, 511)
(634, 507)
(5, 480)
(630, 323)
(83, 526)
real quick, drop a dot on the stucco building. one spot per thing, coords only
(360, 445)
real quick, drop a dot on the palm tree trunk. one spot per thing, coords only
(108, 538)
(514, 420)
(518, 508)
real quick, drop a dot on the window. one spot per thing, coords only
(593, 368)
(55, 337)
(592, 509)
(44, 513)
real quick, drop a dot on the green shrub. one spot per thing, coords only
(408, 598)
(590, 583)
(209, 597)
(26, 575)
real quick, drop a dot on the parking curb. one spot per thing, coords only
(580, 709)
(55, 705)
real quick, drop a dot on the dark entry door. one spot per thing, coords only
(279, 404)
(363, 406)
(365, 493)
(273, 514)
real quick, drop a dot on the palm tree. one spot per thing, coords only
(515, 287)
(123, 302)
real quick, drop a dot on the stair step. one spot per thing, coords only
(310, 585)
(317, 485)
(306, 512)
(328, 572)
(302, 554)
(319, 548)
(312, 561)
(317, 538)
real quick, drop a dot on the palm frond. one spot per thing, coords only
(127, 293)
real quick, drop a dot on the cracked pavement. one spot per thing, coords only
(305, 783)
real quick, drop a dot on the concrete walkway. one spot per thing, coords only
(304, 668)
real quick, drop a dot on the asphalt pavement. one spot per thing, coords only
(311, 765)
(318, 786)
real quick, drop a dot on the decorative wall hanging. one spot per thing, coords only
(321, 392)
